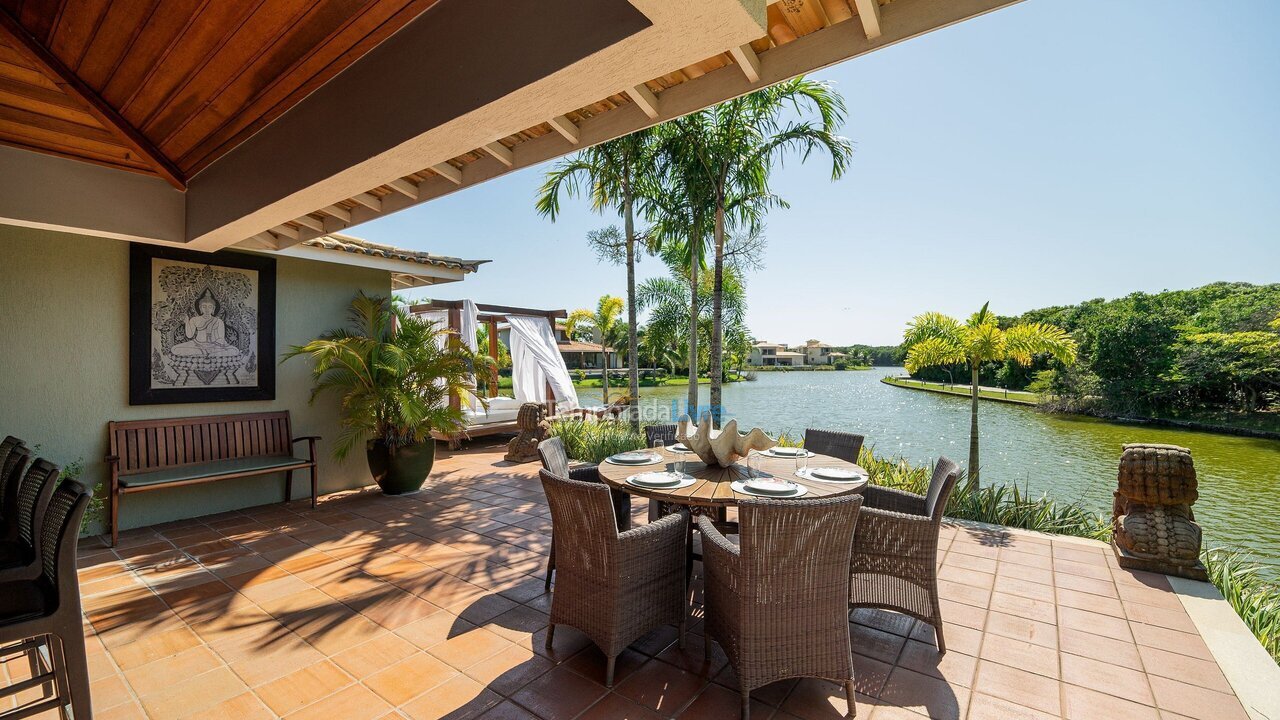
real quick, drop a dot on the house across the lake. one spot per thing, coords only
(767, 354)
(820, 353)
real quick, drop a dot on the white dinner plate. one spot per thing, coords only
(739, 486)
(808, 474)
(634, 458)
(661, 480)
(787, 453)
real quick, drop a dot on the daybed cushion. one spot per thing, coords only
(212, 469)
(501, 410)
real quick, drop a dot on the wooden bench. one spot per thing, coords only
(156, 454)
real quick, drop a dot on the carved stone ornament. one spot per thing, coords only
(532, 422)
(723, 447)
(1153, 527)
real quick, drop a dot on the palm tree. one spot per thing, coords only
(934, 339)
(730, 150)
(606, 329)
(615, 175)
(394, 373)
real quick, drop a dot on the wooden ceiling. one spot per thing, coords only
(165, 87)
(787, 22)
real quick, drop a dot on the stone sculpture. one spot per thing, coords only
(722, 448)
(532, 422)
(1153, 527)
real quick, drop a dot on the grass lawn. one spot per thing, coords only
(1014, 396)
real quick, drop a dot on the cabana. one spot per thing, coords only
(538, 372)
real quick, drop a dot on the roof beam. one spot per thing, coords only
(501, 152)
(448, 172)
(644, 97)
(404, 187)
(869, 14)
(73, 86)
(286, 231)
(748, 61)
(565, 127)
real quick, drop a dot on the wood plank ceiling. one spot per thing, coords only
(193, 78)
(165, 87)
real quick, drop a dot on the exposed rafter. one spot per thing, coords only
(501, 152)
(748, 61)
(74, 87)
(869, 13)
(448, 172)
(645, 99)
(565, 127)
(404, 187)
(373, 202)
(285, 230)
(309, 222)
(337, 212)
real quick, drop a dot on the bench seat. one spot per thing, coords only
(222, 469)
(173, 452)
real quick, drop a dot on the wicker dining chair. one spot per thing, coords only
(13, 461)
(20, 554)
(777, 602)
(613, 586)
(556, 461)
(895, 552)
(44, 613)
(843, 445)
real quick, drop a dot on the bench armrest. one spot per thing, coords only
(111, 459)
(305, 437)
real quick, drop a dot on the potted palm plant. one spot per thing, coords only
(394, 373)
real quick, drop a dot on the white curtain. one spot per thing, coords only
(468, 330)
(440, 319)
(536, 362)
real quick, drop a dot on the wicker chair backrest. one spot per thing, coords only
(583, 521)
(941, 484)
(36, 487)
(13, 461)
(843, 445)
(554, 458)
(60, 531)
(794, 550)
(666, 433)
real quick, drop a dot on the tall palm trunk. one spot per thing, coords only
(973, 427)
(633, 346)
(692, 408)
(717, 317)
(604, 372)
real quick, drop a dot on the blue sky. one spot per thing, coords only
(1044, 154)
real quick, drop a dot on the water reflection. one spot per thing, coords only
(1070, 457)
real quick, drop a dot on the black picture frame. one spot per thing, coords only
(141, 268)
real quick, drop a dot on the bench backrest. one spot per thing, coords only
(146, 445)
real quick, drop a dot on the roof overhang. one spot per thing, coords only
(464, 93)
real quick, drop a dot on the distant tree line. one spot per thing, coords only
(1214, 348)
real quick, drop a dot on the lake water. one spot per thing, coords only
(1071, 458)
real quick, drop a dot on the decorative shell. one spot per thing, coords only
(724, 447)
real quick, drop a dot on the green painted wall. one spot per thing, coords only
(64, 334)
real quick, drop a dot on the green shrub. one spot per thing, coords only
(1255, 599)
(593, 441)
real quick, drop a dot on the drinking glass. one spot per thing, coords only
(753, 462)
(802, 460)
(680, 461)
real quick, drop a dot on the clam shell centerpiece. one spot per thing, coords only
(723, 447)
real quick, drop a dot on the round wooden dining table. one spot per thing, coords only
(712, 487)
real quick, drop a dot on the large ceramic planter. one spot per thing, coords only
(400, 470)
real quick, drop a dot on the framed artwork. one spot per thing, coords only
(201, 326)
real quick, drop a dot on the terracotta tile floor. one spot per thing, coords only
(431, 606)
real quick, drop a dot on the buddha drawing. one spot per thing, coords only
(206, 333)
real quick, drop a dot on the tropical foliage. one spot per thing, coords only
(602, 326)
(617, 175)
(937, 340)
(592, 441)
(1209, 352)
(719, 164)
(392, 372)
